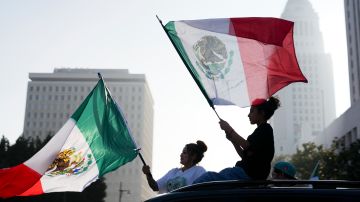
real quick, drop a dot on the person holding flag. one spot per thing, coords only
(191, 155)
(256, 152)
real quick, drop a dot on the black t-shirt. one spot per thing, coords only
(257, 157)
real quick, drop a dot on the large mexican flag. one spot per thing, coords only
(93, 142)
(235, 61)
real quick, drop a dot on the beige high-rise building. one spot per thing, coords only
(307, 108)
(346, 127)
(53, 97)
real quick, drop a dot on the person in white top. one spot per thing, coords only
(191, 155)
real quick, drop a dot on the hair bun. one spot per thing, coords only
(274, 103)
(202, 146)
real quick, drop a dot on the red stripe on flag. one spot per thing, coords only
(34, 190)
(283, 67)
(16, 180)
(268, 55)
(266, 30)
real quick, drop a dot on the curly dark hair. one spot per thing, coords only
(197, 149)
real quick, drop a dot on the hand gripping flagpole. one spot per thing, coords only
(189, 69)
(138, 149)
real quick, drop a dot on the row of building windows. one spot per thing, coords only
(314, 126)
(56, 97)
(45, 109)
(298, 117)
(79, 89)
(305, 89)
(349, 137)
(304, 28)
(306, 104)
(306, 96)
(47, 115)
(74, 98)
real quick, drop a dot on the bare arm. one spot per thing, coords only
(152, 183)
(238, 142)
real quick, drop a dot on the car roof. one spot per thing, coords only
(279, 190)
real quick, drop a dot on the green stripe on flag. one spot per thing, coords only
(171, 30)
(105, 130)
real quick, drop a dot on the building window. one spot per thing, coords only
(354, 134)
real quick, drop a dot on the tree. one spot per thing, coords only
(305, 159)
(336, 163)
(349, 159)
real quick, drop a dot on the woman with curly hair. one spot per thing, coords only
(191, 155)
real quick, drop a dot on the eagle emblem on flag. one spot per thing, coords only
(213, 59)
(69, 162)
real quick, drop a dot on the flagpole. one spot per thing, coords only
(142, 159)
(99, 75)
(188, 68)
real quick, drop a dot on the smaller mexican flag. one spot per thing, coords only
(315, 173)
(235, 61)
(94, 141)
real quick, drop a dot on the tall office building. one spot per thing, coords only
(307, 108)
(352, 18)
(53, 97)
(346, 127)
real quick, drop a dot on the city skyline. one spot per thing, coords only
(38, 37)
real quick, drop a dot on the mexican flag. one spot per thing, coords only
(94, 141)
(235, 61)
(315, 173)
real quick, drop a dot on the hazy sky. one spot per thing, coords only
(39, 35)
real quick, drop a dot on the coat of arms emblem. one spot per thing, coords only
(213, 59)
(69, 162)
